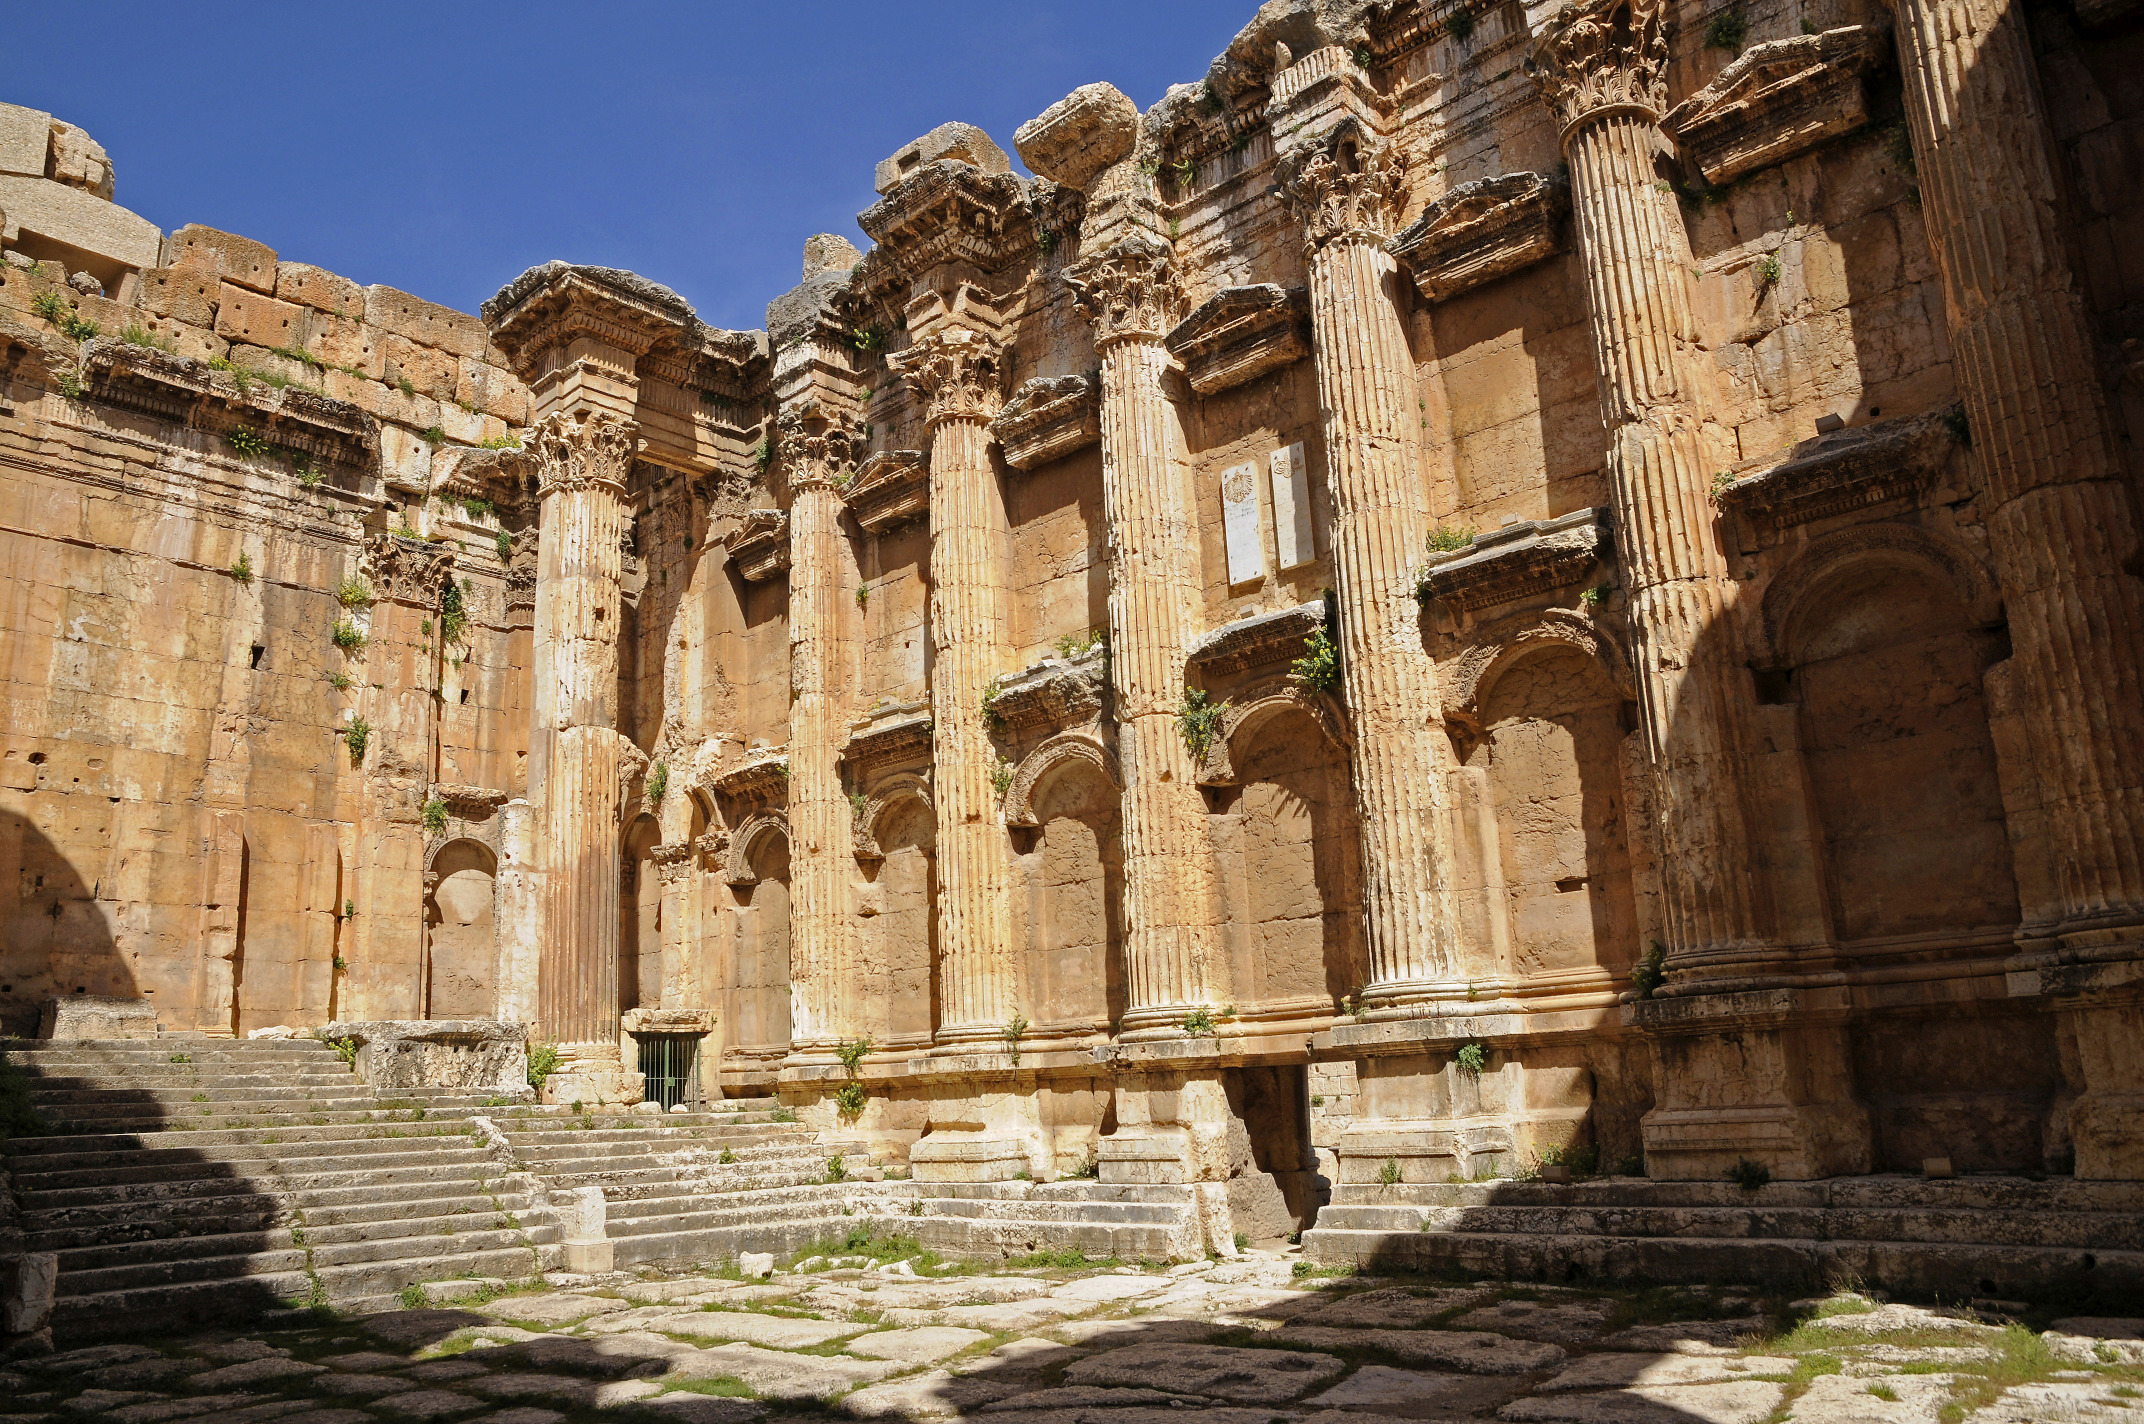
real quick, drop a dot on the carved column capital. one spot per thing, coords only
(818, 446)
(1600, 57)
(406, 570)
(961, 372)
(1350, 189)
(1129, 290)
(594, 452)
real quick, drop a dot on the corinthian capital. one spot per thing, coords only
(962, 372)
(1599, 57)
(818, 446)
(594, 451)
(1350, 188)
(1128, 290)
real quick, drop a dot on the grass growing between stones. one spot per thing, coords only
(721, 1387)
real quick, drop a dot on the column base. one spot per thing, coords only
(2098, 989)
(594, 1075)
(957, 1157)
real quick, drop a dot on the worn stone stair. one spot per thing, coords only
(1013, 1218)
(223, 1179)
(1986, 1236)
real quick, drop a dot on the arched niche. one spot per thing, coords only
(896, 902)
(1065, 798)
(1258, 704)
(461, 930)
(1045, 761)
(758, 987)
(640, 908)
(1497, 646)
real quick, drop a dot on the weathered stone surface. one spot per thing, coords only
(252, 1373)
(552, 1310)
(1404, 1394)
(320, 289)
(427, 1404)
(926, 1345)
(1256, 1376)
(1741, 1403)
(777, 1331)
(1077, 137)
(1631, 1370)
(1474, 1351)
(956, 142)
(239, 261)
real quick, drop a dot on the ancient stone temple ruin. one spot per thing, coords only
(1490, 592)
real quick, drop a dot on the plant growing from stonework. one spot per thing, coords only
(339, 680)
(1072, 646)
(1749, 1174)
(505, 545)
(763, 455)
(850, 1099)
(1954, 421)
(543, 1062)
(433, 435)
(851, 1052)
(51, 306)
(658, 782)
(453, 614)
(435, 817)
(242, 569)
(863, 595)
(356, 736)
(1650, 972)
(1015, 1029)
(1001, 777)
(1727, 31)
(247, 441)
(1362, 56)
(1471, 1057)
(1206, 1020)
(1318, 669)
(1446, 538)
(1461, 25)
(1768, 271)
(353, 593)
(994, 718)
(1198, 719)
(1721, 481)
(1596, 596)
(348, 636)
(1388, 1175)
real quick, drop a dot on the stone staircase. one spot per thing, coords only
(212, 1178)
(1971, 1236)
(1013, 1218)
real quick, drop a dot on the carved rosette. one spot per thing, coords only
(595, 452)
(1601, 57)
(1129, 290)
(818, 447)
(1350, 190)
(961, 373)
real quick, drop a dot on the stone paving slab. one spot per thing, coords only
(559, 1308)
(1743, 1402)
(1629, 1371)
(1244, 1376)
(1842, 1399)
(1417, 1394)
(1475, 1351)
(780, 1332)
(923, 1345)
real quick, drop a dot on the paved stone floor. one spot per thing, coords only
(1259, 1340)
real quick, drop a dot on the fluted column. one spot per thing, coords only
(2061, 523)
(582, 467)
(1131, 295)
(960, 374)
(816, 450)
(1349, 197)
(1600, 64)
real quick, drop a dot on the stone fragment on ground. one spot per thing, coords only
(1416, 1394)
(1224, 1372)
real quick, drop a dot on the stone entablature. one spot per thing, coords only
(1852, 469)
(328, 432)
(1260, 641)
(1778, 99)
(760, 545)
(1484, 230)
(1529, 558)
(1055, 694)
(1049, 418)
(951, 211)
(901, 737)
(761, 781)
(891, 488)
(1241, 333)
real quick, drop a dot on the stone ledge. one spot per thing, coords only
(1241, 333)
(1054, 694)
(891, 488)
(1483, 230)
(1840, 472)
(905, 738)
(189, 392)
(1259, 641)
(1778, 99)
(760, 546)
(1527, 559)
(1049, 418)
(95, 1016)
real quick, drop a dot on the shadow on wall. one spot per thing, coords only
(55, 941)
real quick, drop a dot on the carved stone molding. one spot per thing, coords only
(407, 571)
(950, 211)
(549, 306)
(1349, 188)
(709, 847)
(1084, 747)
(1833, 474)
(1324, 84)
(960, 372)
(1483, 230)
(1255, 642)
(595, 452)
(1048, 418)
(1600, 57)
(883, 796)
(185, 392)
(760, 545)
(1870, 545)
(1495, 645)
(905, 737)
(651, 1020)
(1128, 289)
(471, 803)
(892, 487)
(1530, 559)
(1778, 99)
(1239, 334)
(818, 446)
(737, 868)
(1251, 708)
(763, 781)
(1055, 695)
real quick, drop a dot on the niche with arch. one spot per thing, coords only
(757, 992)
(898, 937)
(1074, 860)
(463, 944)
(640, 926)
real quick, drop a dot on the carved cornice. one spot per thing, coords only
(1483, 230)
(961, 372)
(1048, 418)
(1239, 334)
(891, 488)
(954, 212)
(1595, 58)
(1531, 558)
(1051, 696)
(1255, 642)
(1840, 472)
(549, 306)
(900, 738)
(1129, 289)
(1778, 99)
(593, 452)
(188, 392)
(818, 446)
(760, 546)
(406, 571)
(762, 781)
(471, 803)
(1349, 188)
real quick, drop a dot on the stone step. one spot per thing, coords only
(1928, 1268)
(302, 1138)
(625, 1160)
(716, 1132)
(1873, 1192)
(321, 1171)
(1014, 1236)
(329, 1246)
(655, 1215)
(319, 1154)
(259, 1211)
(168, 1053)
(1104, 1213)
(378, 1180)
(2084, 1230)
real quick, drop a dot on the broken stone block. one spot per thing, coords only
(24, 138)
(185, 294)
(428, 371)
(238, 260)
(79, 161)
(829, 252)
(320, 289)
(26, 1291)
(756, 1265)
(1074, 139)
(961, 143)
(54, 213)
(247, 316)
(344, 341)
(92, 1016)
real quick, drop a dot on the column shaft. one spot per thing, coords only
(821, 841)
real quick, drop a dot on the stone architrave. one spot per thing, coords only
(581, 467)
(1348, 193)
(1129, 290)
(960, 372)
(818, 450)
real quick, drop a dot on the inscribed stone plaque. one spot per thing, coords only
(1291, 506)
(1239, 523)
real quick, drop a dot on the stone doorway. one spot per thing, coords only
(1273, 1103)
(460, 926)
(670, 1066)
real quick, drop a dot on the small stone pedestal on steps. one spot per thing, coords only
(83, 1016)
(482, 1055)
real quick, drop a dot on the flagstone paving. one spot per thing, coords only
(1264, 1339)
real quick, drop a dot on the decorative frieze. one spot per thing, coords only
(1262, 640)
(407, 571)
(1484, 230)
(901, 738)
(1530, 558)
(951, 211)
(891, 488)
(550, 306)
(470, 803)
(1049, 418)
(1778, 99)
(761, 781)
(187, 392)
(1846, 470)
(760, 545)
(1051, 696)
(1241, 333)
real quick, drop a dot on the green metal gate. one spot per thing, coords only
(671, 1063)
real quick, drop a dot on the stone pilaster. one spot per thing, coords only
(1348, 193)
(959, 371)
(1601, 67)
(818, 450)
(581, 468)
(1130, 292)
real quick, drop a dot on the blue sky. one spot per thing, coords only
(441, 148)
